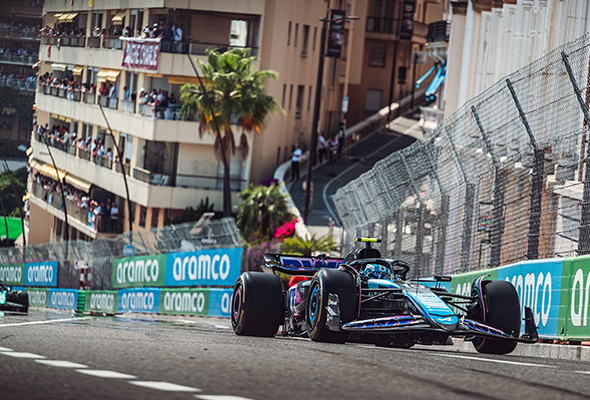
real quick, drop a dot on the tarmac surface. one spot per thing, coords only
(56, 355)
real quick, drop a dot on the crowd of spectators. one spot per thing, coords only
(105, 214)
(19, 28)
(29, 81)
(68, 84)
(170, 32)
(62, 29)
(59, 136)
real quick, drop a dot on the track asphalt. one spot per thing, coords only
(55, 355)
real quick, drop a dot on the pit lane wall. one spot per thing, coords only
(557, 290)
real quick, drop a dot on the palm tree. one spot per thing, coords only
(307, 246)
(262, 210)
(237, 97)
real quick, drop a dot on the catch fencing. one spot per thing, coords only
(505, 178)
(101, 253)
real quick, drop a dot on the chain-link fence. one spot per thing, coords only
(100, 253)
(505, 178)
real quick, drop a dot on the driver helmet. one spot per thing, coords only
(376, 271)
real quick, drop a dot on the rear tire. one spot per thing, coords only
(257, 305)
(328, 281)
(503, 312)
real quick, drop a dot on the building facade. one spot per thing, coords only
(492, 38)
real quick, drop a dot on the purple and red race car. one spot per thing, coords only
(367, 298)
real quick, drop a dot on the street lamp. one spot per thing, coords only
(316, 108)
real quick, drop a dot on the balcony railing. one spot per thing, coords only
(438, 32)
(93, 42)
(63, 93)
(171, 112)
(19, 59)
(127, 106)
(109, 102)
(112, 43)
(390, 25)
(29, 33)
(20, 85)
(198, 48)
(66, 41)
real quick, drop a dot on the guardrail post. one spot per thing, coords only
(537, 183)
(420, 228)
(499, 189)
(584, 238)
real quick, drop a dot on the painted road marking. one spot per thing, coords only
(105, 374)
(22, 355)
(61, 364)
(583, 372)
(5, 349)
(463, 357)
(165, 386)
(222, 326)
(219, 397)
(44, 322)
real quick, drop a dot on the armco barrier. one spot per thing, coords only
(41, 274)
(66, 299)
(574, 311)
(209, 267)
(12, 274)
(101, 301)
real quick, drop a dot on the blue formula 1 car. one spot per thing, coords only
(366, 298)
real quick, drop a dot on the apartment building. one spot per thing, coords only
(19, 49)
(169, 165)
(493, 38)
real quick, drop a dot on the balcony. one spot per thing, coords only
(19, 85)
(438, 31)
(391, 26)
(150, 123)
(10, 58)
(20, 33)
(145, 187)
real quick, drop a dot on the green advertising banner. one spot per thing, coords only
(140, 271)
(101, 301)
(12, 274)
(38, 297)
(184, 301)
(575, 284)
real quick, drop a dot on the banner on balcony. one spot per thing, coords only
(141, 54)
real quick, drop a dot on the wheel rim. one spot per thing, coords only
(314, 304)
(237, 302)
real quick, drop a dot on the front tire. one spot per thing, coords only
(257, 305)
(503, 312)
(328, 281)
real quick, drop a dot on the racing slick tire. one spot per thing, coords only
(19, 298)
(328, 281)
(503, 312)
(257, 305)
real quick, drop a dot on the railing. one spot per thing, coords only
(19, 32)
(127, 106)
(391, 25)
(93, 42)
(66, 41)
(89, 98)
(103, 161)
(112, 43)
(109, 102)
(20, 85)
(119, 169)
(63, 93)
(198, 48)
(150, 111)
(18, 58)
(438, 32)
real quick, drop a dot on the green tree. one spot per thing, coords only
(262, 210)
(11, 203)
(237, 97)
(307, 246)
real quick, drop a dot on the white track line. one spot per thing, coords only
(61, 364)
(219, 397)
(5, 349)
(16, 354)
(432, 353)
(105, 374)
(165, 386)
(44, 322)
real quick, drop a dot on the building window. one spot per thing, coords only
(289, 34)
(299, 104)
(305, 40)
(284, 94)
(296, 33)
(309, 99)
(373, 100)
(378, 52)
(290, 97)
(155, 217)
(315, 35)
(142, 215)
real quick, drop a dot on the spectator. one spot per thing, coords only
(321, 147)
(295, 159)
(127, 93)
(114, 218)
(333, 148)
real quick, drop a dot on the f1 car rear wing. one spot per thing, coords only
(299, 265)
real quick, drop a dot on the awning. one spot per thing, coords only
(26, 196)
(29, 151)
(56, 16)
(113, 75)
(36, 65)
(77, 70)
(48, 170)
(181, 80)
(107, 74)
(59, 67)
(118, 19)
(78, 183)
(67, 17)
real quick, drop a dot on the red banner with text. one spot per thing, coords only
(142, 54)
